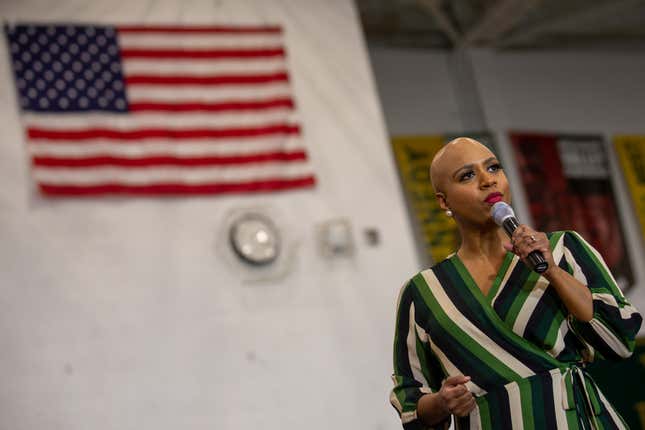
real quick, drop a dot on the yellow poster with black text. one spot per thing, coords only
(631, 153)
(436, 234)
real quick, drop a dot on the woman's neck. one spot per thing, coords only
(482, 243)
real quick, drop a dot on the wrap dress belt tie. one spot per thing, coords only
(580, 392)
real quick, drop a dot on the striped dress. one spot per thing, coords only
(521, 348)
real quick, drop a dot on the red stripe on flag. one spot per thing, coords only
(201, 29)
(178, 189)
(178, 54)
(206, 133)
(145, 105)
(169, 160)
(206, 80)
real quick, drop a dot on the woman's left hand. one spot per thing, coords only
(526, 240)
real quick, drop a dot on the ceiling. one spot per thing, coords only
(505, 24)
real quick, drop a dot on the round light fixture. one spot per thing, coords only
(255, 239)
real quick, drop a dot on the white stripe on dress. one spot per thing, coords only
(413, 356)
(611, 411)
(626, 311)
(515, 403)
(475, 419)
(577, 271)
(395, 400)
(610, 339)
(407, 417)
(557, 386)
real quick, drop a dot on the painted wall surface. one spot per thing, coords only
(416, 91)
(120, 313)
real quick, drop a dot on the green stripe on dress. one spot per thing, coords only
(421, 354)
(484, 413)
(526, 400)
(508, 259)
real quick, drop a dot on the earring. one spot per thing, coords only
(448, 213)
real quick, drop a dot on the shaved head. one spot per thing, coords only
(452, 156)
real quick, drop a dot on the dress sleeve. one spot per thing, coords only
(416, 369)
(615, 323)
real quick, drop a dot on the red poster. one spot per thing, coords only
(567, 184)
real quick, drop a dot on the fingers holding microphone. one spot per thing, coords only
(525, 240)
(457, 399)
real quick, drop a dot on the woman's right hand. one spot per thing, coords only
(455, 396)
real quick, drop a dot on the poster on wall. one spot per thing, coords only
(631, 154)
(567, 183)
(435, 234)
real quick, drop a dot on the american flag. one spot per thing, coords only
(155, 110)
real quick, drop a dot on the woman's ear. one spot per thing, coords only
(441, 199)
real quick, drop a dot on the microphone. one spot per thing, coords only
(504, 217)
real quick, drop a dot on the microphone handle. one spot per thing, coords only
(538, 262)
(536, 259)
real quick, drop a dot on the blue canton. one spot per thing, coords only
(67, 68)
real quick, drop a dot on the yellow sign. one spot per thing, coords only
(437, 232)
(631, 153)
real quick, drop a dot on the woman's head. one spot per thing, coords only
(468, 179)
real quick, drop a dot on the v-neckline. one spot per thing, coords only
(497, 282)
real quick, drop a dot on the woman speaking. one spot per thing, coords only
(482, 337)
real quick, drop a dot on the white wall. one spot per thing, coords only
(119, 314)
(549, 91)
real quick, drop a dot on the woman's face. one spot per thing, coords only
(472, 180)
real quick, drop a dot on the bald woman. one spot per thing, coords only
(481, 337)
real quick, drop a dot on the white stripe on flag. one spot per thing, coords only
(186, 175)
(194, 41)
(224, 147)
(179, 121)
(225, 66)
(183, 94)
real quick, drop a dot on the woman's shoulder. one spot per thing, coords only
(563, 233)
(564, 237)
